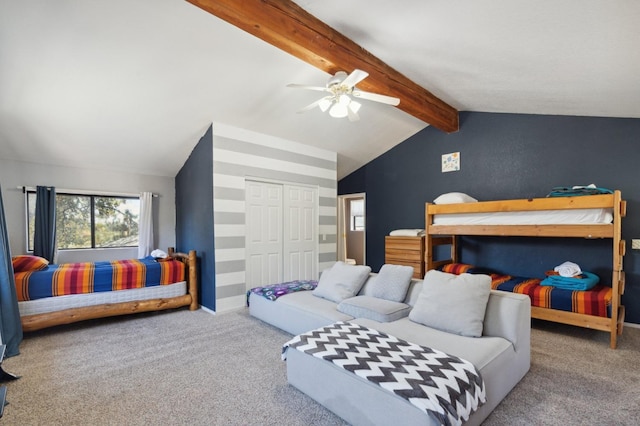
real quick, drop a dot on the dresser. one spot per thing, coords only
(405, 251)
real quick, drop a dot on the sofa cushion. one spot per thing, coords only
(479, 352)
(373, 308)
(392, 282)
(341, 281)
(453, 303)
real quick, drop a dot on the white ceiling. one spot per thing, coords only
(132, 85)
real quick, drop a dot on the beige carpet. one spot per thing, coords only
(195, 368)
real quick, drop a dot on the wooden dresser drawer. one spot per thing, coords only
(407, 251)
(402, 254)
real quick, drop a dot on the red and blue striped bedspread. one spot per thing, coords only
(596, 301)
(79, 278)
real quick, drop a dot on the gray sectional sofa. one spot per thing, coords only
(435, 312)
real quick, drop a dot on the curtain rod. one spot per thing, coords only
(87, 192)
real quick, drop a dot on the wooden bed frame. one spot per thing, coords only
(68, 316)
(447, 235)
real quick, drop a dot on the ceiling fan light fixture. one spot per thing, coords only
(324, 104)
(342, 107)
(341, 87)
(339, 110)
(352, 110)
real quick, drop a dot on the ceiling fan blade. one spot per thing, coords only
(375, 97)
(304, 86)
(319, 102)
(354, 78)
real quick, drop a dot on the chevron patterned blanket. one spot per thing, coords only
(447, 388)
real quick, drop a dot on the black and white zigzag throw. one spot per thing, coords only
(445, 387)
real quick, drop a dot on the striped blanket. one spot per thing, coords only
(78, 278)
(595, 301)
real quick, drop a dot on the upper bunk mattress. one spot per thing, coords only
(540, 217)
(80, 278)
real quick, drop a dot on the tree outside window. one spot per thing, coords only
(90, 221)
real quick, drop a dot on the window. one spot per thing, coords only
(90, 221)
(356, 208)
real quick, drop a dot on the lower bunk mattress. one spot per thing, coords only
(595, 302)
(59, 303)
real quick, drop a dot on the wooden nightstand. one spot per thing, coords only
(405, 251)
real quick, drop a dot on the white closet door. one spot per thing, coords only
(301, 230)
(281, 233)
(263, 234)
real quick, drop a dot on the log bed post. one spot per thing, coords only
(193, 280)
(191, 260)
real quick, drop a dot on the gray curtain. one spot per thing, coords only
(44, 236)
(10, 326)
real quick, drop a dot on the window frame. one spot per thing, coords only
(92, 220)
(357, 223)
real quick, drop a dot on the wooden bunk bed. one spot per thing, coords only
(181, 291)
(446, 232)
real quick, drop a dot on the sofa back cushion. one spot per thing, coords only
(391, 283)
(453, 303)
(415, 288)
(341, 281)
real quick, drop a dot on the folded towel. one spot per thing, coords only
(568, 269)
(586, 281)
(407, 232)
(577, 190)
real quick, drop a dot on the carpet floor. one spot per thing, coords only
(184, 367)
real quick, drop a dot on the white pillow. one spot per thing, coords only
(453, 303)
(406, 232)
(341, 281)
(454, 197)
(392, 282)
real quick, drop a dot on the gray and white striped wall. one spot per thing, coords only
(239, 154)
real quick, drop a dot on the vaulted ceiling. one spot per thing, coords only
(132, 85)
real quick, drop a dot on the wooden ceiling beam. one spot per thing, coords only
(288, 27)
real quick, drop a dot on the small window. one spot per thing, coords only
(90, 221)
(356, 208)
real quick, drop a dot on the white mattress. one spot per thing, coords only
(541, 217)
(58, 303)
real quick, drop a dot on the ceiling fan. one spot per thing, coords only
(341, 87)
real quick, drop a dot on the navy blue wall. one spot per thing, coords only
(509, 156)
(194, 215)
